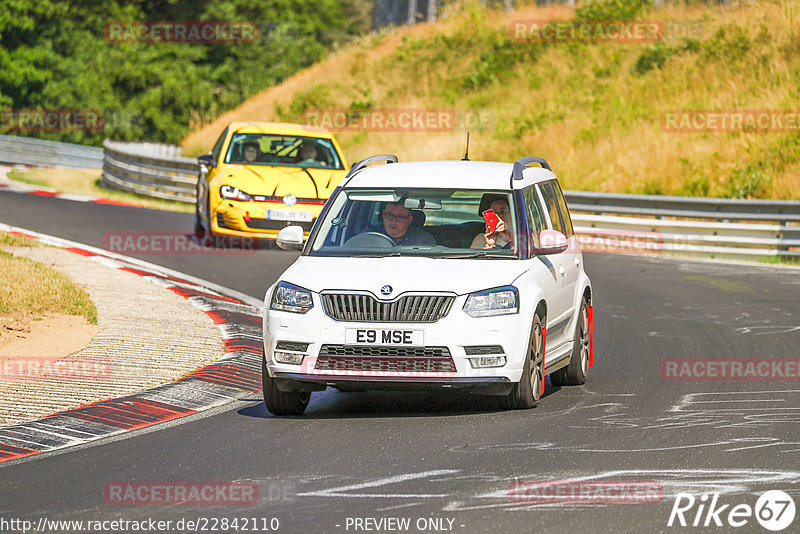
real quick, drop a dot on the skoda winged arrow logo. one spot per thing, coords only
(386, 290)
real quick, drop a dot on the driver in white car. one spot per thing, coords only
(397, 221)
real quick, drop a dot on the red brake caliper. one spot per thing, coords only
(591, 334)
(544, 343)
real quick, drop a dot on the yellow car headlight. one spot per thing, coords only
(234, 193)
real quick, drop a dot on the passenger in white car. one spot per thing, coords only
(502, 236)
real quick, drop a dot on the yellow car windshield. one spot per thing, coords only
(283, 151)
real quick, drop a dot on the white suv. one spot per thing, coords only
(402, 285)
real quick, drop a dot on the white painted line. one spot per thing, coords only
(338, 491)
(66, 243)
(75, 198)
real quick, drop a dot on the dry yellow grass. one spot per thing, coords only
(337, 68)
(583, 107)
(30, 290)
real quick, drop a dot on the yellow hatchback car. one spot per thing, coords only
(262, 176)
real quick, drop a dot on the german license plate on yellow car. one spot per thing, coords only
(289, 215)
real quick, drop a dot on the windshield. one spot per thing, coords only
(283, 151)
(418, 222)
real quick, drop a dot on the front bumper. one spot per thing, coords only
(485, 385)
(450, 338)
(249, 219)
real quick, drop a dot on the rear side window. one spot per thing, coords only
(551, 205)
(562, 203)
(535, 216)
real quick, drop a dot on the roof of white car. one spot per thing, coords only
(447, 175)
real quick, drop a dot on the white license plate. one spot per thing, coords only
(384, 336)
(289, 215)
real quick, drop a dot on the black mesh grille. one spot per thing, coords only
(274, 224)
(387, 359)
(482, 350)
(291, 345)
(380, 350)
(407, 309)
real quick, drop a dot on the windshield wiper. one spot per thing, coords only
(375, 255)
(481, 255)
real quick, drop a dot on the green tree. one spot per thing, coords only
(54, 55)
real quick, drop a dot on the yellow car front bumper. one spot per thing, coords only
(261, 219)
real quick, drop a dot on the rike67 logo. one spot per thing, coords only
(774, 510)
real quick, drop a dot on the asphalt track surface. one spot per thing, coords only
(452, 456)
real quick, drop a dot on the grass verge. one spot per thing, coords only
(30, 290)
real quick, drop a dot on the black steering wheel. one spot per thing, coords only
(370, 240)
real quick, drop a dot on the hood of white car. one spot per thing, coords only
(403, 274)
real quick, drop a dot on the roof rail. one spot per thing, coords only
(388, 158)
(521, 163)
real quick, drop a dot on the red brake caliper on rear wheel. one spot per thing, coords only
(591, 334)
(544, 344)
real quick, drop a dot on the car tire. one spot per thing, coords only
(526, 393)
(199, 229)
(282, 402)
(575, 373)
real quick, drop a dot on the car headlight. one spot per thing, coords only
(234, 193)
(291, 298)
(498, 301)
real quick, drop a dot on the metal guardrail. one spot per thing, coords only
(146, 169)
(29, 151)
(619, 223)
(615, 234)
(708, 227)
(686, 207)
(667, 225)
(156, 150)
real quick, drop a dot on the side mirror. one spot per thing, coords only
(290, 238)
(551, 242)
(206, 160)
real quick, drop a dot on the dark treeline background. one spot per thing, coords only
(54, 55)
